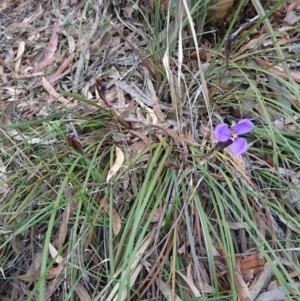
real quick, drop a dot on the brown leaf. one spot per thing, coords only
(243, 291)
(5, 118)
(33, 272)
(52, 43)
(53, 273)
(21, 50)
(44, 64)
(279, 71)
(205, 130)
(63, 229)
(116, 221)
(71, 43)
(157, 215)
(142, 136)
(154, 100)
(61, 69)
(75, 144)
(48, 87)
(252, 265)
(79, 290)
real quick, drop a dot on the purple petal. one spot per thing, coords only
(244, 126)
(104, 87)
(239, 146)
(71, 135)
(222, 132)
(231, 38)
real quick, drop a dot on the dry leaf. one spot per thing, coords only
(4, 188)
(116, 221)
(261, 280)
(71, 43)
(237, 159)
(205, 130)
(21, 50)
(33, 272)
(75, 144)
(79, 290)
(252, 265)
(243, 291)
(48, 87)
(44, 64)
(156, 217)
(53, 273)
(190, 283)
(276, 70)
(54, 254)
(13, 133)
(52, 43)
(5, 119)
(118, 164)
(63, 229)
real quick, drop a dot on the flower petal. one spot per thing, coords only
(222, 132)
(244, 126)
(239, 146)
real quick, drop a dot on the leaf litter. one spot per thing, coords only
(50, 49)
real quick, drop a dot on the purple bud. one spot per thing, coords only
(231, 38)
(71, 135)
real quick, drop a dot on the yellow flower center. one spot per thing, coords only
(234, 136)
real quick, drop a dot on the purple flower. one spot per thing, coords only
(70, 135)
(103, 87)
(231, 38)
(239, 145)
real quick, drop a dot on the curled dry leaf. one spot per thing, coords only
(118, 164)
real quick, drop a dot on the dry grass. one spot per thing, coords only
(129, 209)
